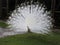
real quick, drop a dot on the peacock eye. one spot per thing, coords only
(30, 16)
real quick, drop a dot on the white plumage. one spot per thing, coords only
(32, 16)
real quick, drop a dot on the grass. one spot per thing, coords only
(31, 39)
(3, 24)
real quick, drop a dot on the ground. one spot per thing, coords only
(31, 39)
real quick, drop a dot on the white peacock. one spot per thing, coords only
(31, 15)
